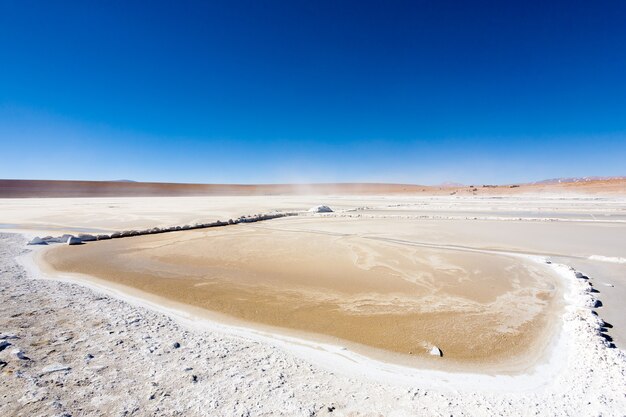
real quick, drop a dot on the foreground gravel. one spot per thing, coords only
(66, 350)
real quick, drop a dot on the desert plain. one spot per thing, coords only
(402, 300)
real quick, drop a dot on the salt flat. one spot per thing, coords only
(363, 277)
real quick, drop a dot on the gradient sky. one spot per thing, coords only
(315, 91)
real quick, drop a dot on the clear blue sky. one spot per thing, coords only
(265, 91)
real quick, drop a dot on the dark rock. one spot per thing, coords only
(20, 355)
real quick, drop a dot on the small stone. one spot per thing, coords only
(20, 355)
(57, 367)
(176, 345)
(435, 351)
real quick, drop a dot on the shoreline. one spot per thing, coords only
(544, 365)
(119, 358)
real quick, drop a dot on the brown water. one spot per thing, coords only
(476, 307)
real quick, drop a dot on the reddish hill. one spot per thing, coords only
(47, 188)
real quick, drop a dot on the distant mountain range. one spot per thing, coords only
(576, 179)
(564, 180)
(451, 184)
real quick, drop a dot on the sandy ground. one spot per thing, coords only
(478, 308)
(96, 350)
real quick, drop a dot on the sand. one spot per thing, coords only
(478, 308)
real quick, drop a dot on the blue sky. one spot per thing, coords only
(312, 91)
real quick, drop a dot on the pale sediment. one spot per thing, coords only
(483, 310)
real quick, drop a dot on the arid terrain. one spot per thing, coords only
(347, 284)
(50, 188)
(500, 301)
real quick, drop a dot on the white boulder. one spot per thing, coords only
(435, 351)
(37, 241)
(73, 240)
(320, 209)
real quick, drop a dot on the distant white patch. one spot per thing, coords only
(320, 209)
(613, 259)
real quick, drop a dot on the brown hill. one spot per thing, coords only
(48, 188)
(53, 188)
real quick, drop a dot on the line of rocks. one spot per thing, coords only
(593, 303)
(77, 240)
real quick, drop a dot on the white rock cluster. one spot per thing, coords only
(77, 240)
